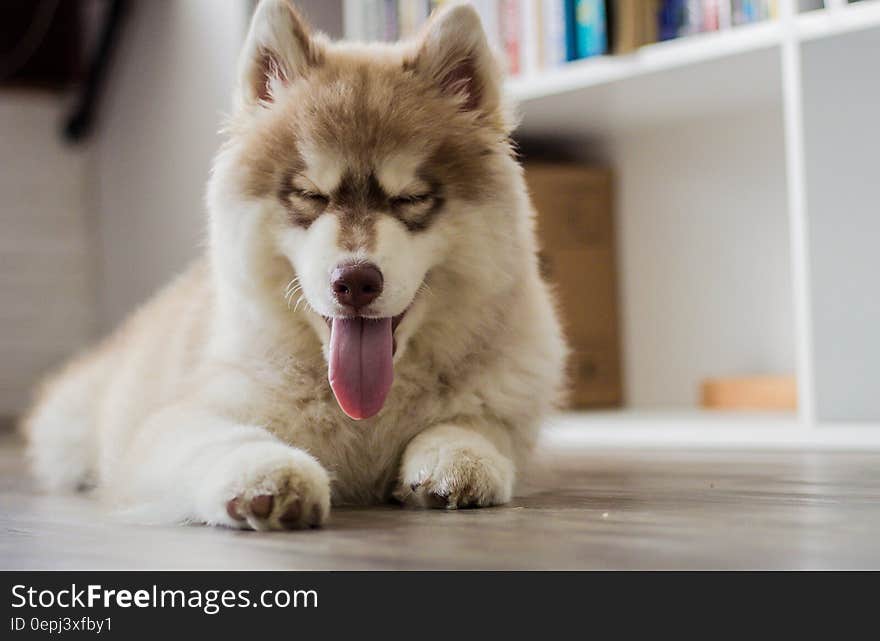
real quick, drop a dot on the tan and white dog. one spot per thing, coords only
(368, 321)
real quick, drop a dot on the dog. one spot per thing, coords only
(368, 322)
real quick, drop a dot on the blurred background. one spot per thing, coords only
(704, 171)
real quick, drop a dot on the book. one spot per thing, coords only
(389, 20)
(489, 14)
(530, 35)
(353, 20)
(411, 15)
(710, 11)
(670, 19)
(509, 27)
(374, 20)
(591, 38)
(725, 14)
(554, 42)
(691, 18)
(570, 30)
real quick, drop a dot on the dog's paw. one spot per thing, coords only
(290, 497)
(453, 468)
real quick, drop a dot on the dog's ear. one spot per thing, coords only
(279, 49)
(454, 52)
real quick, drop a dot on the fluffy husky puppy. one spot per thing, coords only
(368, 321)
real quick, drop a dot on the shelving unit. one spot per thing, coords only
(749, 218)
(839, 18)
(748, 215)
(659, 57)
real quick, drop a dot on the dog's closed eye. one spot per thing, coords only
(303, 200)
(411, 199)
(415, 209)
(311, 196)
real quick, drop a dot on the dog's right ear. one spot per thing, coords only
(279, 49)
(454, 53)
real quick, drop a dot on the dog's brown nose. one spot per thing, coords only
(356, 285)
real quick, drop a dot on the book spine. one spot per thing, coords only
(529, 30)
(538, 33)
(391, 26)
(590, 29)
(570, 30)
(353, 19)
(691, 18)
(710, 10)
(509, 21)
(374, 24)
(648, 26)
(406, 19)
(489, 14)
(553, 23)
(669, 19)
(725, 14)
(743, 11)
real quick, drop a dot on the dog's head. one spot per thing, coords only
(355, 172)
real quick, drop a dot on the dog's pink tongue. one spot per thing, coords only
(360, 364)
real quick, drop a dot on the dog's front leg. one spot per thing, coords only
(188, 463)
(453, 466)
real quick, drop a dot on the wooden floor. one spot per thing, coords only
(625, 509)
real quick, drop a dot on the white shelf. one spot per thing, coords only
(662, 56)
(700, 429)
(848, 19)
(703, 75)
(696, 77)
(727, 148)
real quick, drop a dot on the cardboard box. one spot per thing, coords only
(576, 234)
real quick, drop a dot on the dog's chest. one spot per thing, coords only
(362, 457)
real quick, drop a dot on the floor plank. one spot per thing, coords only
(582, 510)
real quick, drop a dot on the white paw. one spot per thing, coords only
(451, 467)
(291, 496)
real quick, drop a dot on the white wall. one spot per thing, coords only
(46, 262)
(171, 81)
(703, 255)
(88, 233)
(842, 137)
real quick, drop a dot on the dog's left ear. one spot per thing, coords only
(279, 48)
(454, 52)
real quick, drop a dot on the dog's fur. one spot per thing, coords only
(212, 404)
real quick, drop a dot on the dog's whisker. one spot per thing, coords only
(294, 282)
(293, 288)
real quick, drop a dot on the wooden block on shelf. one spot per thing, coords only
(750, 393)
